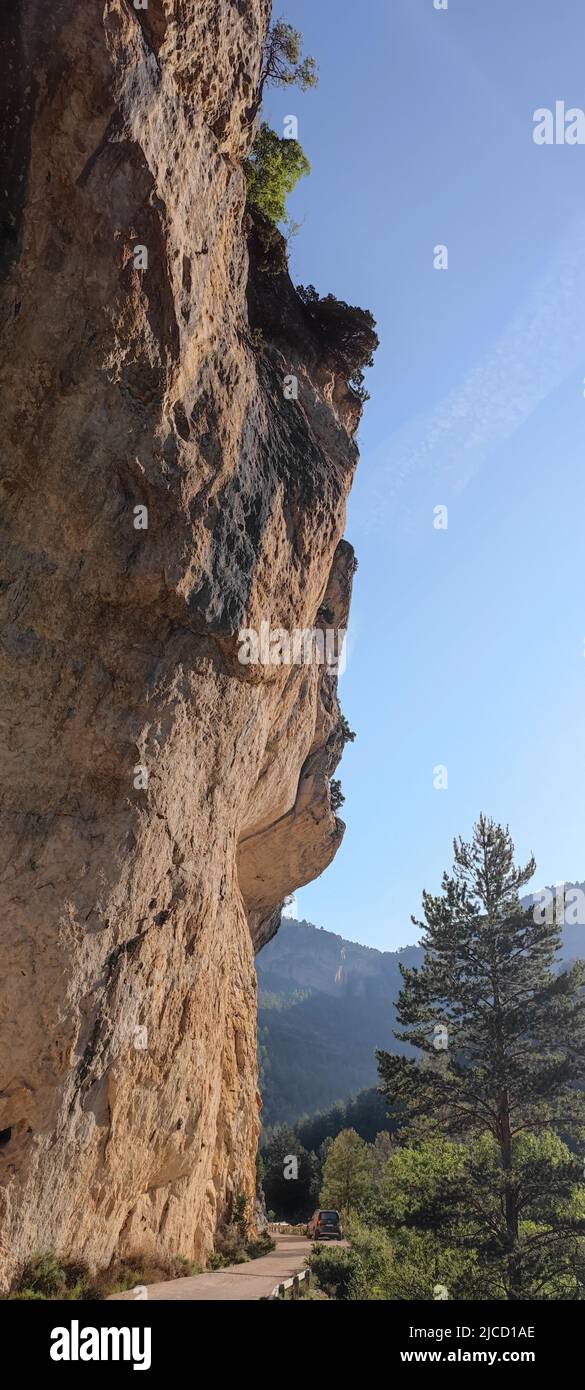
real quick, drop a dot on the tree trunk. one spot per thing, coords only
(510, 1203)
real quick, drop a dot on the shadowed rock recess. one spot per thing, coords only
(129, 1106)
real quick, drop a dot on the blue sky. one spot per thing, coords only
(466, 645)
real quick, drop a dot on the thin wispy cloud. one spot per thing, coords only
(542, 345)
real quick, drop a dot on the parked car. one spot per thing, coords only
(325, 1225)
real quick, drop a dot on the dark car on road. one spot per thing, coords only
(325, 1225)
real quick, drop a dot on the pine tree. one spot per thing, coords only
(502, 1033)
(283, 64)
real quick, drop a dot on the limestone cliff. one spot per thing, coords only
(128, 1079)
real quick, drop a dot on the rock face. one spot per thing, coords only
(159, 798)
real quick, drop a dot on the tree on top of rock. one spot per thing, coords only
(283, 64)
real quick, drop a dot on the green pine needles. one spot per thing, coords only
(500, 1032)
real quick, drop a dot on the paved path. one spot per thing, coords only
(250, 1281)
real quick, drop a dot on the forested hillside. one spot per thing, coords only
(325, 1005)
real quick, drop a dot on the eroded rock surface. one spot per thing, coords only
(128, 1080)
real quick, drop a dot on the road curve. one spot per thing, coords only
(247, 1282)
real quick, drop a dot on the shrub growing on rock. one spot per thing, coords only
(273, 171)
(347, 331)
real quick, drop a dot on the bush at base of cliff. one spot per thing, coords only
(44, 1274)
(260, 1245)
(50, 1277)
(232, 1247)
(25, 1295)
(47, 1276)
(144, 1269)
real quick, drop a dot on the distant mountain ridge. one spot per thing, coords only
(325, 1005)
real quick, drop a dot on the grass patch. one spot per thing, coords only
(232, 1248)
(50, 1277)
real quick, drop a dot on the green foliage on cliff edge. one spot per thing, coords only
(283, 64)
(347, 331)
(273, 171)
(276, 164)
